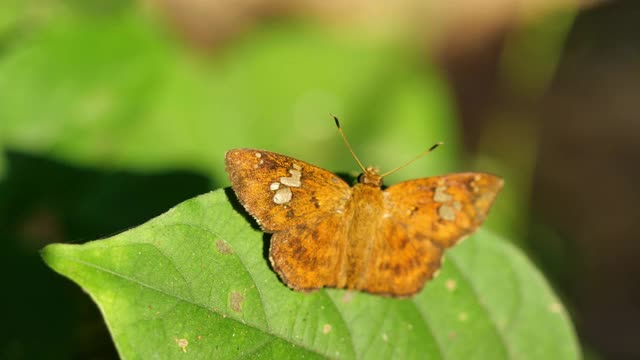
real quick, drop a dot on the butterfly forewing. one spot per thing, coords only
(280, 191)
(443, 208)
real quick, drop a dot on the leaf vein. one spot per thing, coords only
(188, 301)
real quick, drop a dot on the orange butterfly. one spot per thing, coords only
(329, 234)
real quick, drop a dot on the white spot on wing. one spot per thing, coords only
(440, 195)
(447, 212)
(290, 181)
(282, 196)
(294, 179)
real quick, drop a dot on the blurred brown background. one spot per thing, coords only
(584, 195)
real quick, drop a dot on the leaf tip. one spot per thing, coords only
(51, 254)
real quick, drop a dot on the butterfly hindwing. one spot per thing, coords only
(402, 263)
(310, 256)
(281, 192)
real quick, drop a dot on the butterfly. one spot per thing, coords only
(327, 233)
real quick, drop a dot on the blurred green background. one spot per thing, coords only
(112, 112)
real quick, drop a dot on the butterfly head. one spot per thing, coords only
(370, 176)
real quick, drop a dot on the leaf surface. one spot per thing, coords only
(195, 281)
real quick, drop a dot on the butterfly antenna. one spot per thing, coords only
(347, 143)
(433, 147)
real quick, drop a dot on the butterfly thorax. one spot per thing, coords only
(371, 176)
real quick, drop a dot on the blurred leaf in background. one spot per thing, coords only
(133, 98)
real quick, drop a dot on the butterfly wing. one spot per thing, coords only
(444, 208)
(304, 211)
(281, 192)
(422, 218)
(310, 256)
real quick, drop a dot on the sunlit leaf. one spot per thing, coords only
(195, 281)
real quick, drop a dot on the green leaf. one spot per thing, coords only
(195, 281)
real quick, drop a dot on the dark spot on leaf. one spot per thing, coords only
(223, 247)
(348, 296)
(236, 300)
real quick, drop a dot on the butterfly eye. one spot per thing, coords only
(361, 178)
